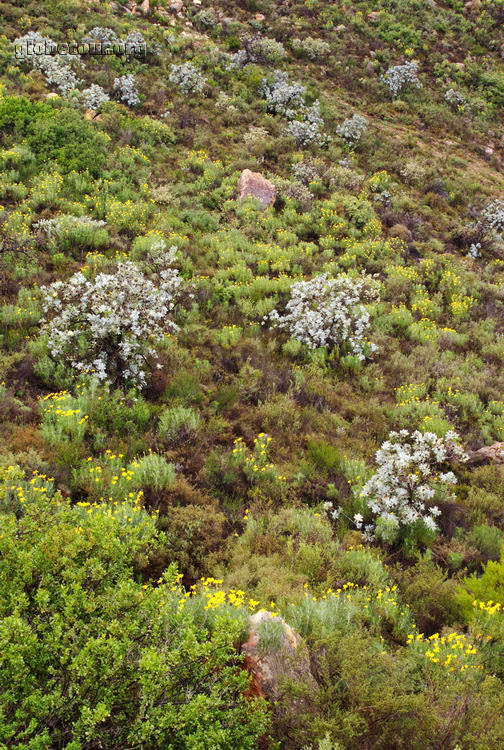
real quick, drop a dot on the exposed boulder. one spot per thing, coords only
(489, 454)
(274, 655)
(255, 185)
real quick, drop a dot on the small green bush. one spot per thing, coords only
(178, 421)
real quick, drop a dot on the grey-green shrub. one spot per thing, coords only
(178, 420)
(154, 471)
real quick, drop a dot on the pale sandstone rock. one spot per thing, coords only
(255, 185)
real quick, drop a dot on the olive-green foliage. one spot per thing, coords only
(69, 141)
(431, 595)
(193, 536)
(90, 657)
(406, 204)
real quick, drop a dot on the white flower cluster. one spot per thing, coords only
(305, 172)
(408, 478)
(94, 96)
(352, 129)
(188, 78)
(474, 251)
(455, 98)
(125, 88)
(400, 76)
(105, 35)
(326, 312)
(262, 50)
(492, 217)
(309, 130)
(55, 68)
(287, 99)
(283, 98)
(106, 324)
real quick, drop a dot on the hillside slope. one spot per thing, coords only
(212, 406)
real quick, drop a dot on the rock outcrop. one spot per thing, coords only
(273, 665)
(489, 454)
(255, 185)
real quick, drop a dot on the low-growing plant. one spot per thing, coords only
(311, 47)
(66, 233)
(178, 421)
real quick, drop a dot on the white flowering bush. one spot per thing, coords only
(94, 96)
(409, 480)
(400, 76)
(55, 68)
(306, 171)
(308, 131)
(107, 325)
(492, 218)
(287, 99)
(188, 78)
(256, 50)
(282, 98)
(133, 46)
(125, 88)
(262, 50)
(105, 35)
(352, 129)
(455, 98)
(329, 312)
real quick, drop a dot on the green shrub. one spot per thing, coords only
(489, 587)
(154, 471)
(18, 114)
(488, 540)
(91, 657)
(68, 140)
(178, 421)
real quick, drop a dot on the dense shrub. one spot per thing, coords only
(399, 77)
(329, 312)
(187, 78)
(70, 141)
(352, 129)
(140, 671)
(125, 88)
(106, 325)
(408, 479)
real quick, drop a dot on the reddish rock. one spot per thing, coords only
(254, 184)
(145, 7)
(489, 454)
(89, 114)
(287, 660)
